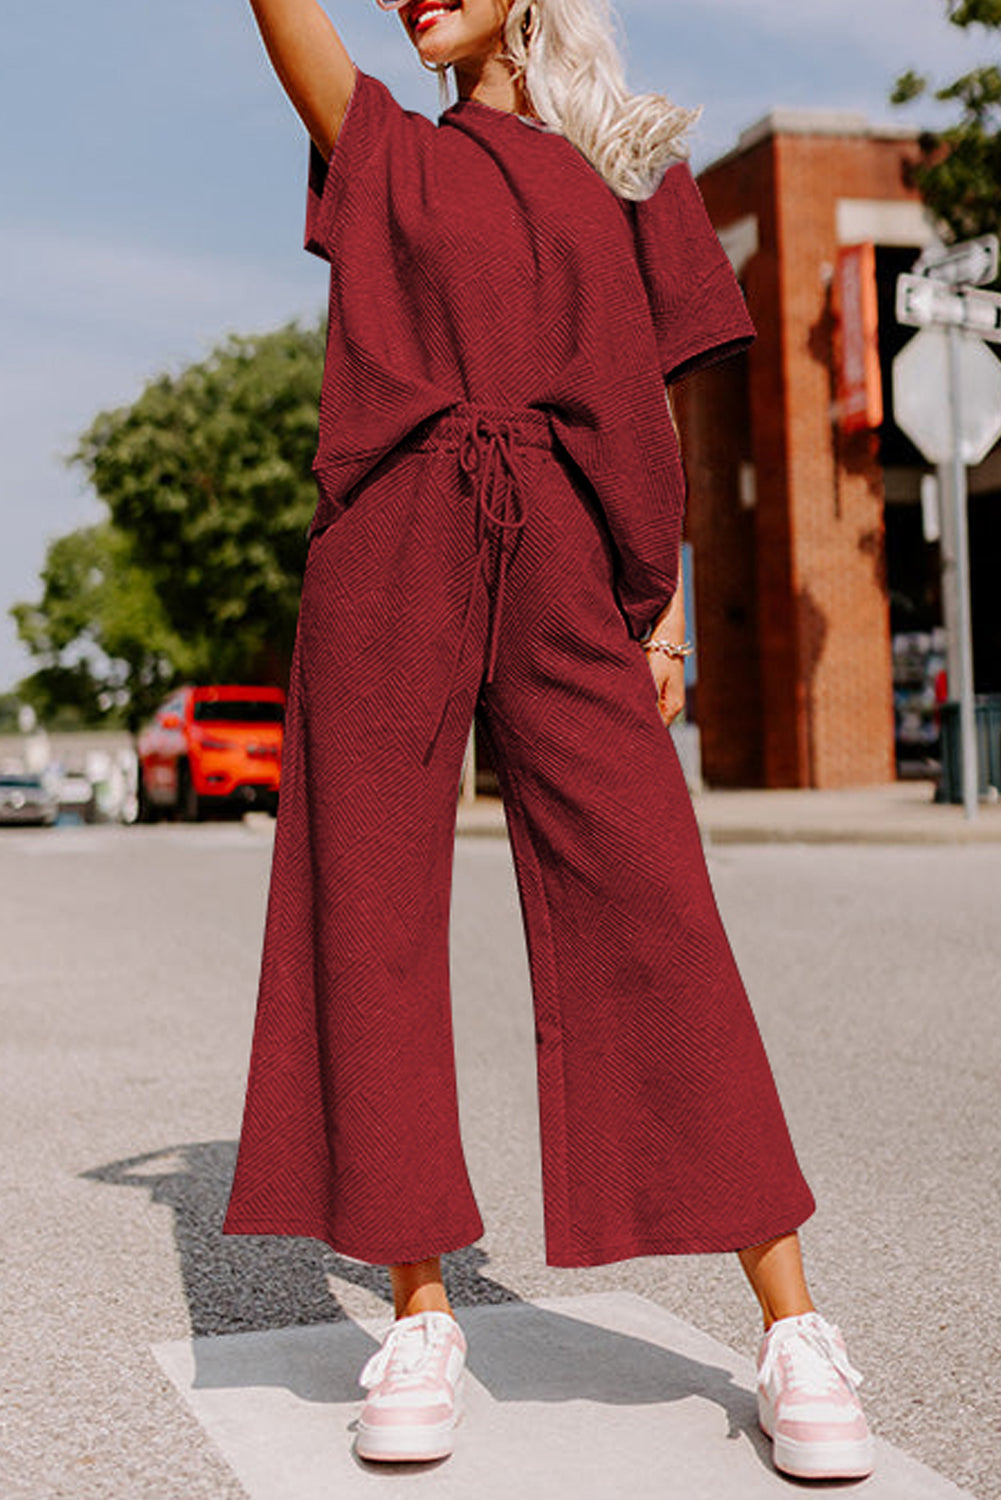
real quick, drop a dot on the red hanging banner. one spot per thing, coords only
(860, 387)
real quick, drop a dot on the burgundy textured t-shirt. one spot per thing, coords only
(484, 259)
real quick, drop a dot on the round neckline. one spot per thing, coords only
(496, 110)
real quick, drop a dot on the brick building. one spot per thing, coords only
(797, 530)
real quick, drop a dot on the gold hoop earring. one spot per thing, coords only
(438, 68)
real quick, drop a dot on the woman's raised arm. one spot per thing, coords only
(312, 63)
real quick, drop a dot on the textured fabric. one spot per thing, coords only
(661, 1128)
(483, 259)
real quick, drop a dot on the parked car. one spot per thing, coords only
(27, 799)
(76, 797)
(211, 749)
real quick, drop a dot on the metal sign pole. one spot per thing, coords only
(939, 296)
(967, 716)
(950, 593)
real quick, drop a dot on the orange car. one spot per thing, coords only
(211, 748)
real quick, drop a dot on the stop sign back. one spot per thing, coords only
(921, 396)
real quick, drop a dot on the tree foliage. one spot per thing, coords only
(959, 174)
(105, 649)
(208, 474)
(10, 705)
(197, 571)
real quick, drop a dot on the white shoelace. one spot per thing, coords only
(404, 1351)
(816, 1360)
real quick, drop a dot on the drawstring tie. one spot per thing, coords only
(486, 455)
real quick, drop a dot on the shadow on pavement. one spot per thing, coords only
(250, 1284)
(531, 1355)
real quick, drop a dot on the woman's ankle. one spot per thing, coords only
(424, 1301)
(775, 1271)
(418, 1288)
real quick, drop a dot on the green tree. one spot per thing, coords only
(10, 705)
(959, 175)
(105, 649)
(208, 475)
(196, 574)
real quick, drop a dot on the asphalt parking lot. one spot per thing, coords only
(127, 988)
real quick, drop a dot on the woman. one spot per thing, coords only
(497, 533)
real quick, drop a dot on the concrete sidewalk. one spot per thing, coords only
(901, 812)
(592, 1396)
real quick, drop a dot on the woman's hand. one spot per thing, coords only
(669, 675)
(669, 671)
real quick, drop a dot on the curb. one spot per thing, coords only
(864, 816)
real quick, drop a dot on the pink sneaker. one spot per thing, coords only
(414, 1381)
(807, 1401)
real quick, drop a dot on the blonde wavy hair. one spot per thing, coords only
(565, 52)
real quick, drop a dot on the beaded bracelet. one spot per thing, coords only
(677, 649)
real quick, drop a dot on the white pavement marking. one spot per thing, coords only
(588, 1396)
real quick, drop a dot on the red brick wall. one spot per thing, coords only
(717, 431)
(795, 679)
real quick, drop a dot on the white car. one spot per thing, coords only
(26, 799)
(76, 796)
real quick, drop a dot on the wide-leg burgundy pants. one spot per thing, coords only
(473, 568)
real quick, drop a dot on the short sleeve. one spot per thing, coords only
(698, 310)
(374, 129)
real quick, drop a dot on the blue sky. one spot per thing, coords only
(152, 188)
